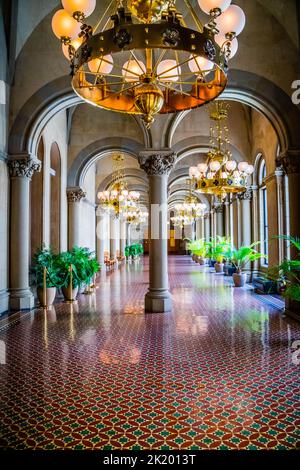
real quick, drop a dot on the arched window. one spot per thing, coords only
(55, 195)
(36, 202)
(263, 220)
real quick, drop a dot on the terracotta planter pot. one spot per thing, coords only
(239, 279)
(219, 267)
(66, 292)
(201, 261)
(50, 295)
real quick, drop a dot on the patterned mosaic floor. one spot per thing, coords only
(217, 373)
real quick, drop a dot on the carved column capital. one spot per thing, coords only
(246, 196)
(219, 209)
(75, 194)
(290, 161)
(158, 162)
(23, 166)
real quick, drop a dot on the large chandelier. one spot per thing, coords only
(118, 198)
(220, 175)
(188, 211)
(142, 58)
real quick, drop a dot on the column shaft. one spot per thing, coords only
(100, 236)
(157, 165)
(122, 237)
(21, 171)
(113, 237)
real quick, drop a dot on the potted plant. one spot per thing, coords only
(86, 266)
(240, 258)
(199, 249)
(220, 251)
(69, 278)
(289, 269)
(45, 271)
(136, 250)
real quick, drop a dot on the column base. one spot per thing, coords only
(158, 301)
(4, 300)
(21, 299)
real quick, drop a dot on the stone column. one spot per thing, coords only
(158, 164)
(200, 231)
(113, 237)
(74, 196)
(219, 219)
(279, 175)
(128, 240)
(100, 235)
(207, 227)
(228, 216)
(21, 169)
(122, 237)
(213, 224)
(255, 235)
(239, 222)
(245, 217)
(290, 162)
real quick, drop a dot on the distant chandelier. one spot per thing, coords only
(118, 198)
(220, 175)
(134, 215)
(141, 58)
(188, 211)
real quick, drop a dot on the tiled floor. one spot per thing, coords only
(217, 373)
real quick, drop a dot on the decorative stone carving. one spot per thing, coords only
(246, 196)
(160, 163)
(171, 37)
(219, 209)
(209, 49)
(75, 194)
(290, 162)
(122, 38)
(23, 167)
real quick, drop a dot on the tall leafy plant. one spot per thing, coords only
(244, 255)
(290, 270)
(45, 258)
(83, 263)
(219, 248)
(199, 247)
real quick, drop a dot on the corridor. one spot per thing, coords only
(216, 373)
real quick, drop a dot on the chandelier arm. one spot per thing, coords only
(116, 93)
(177, 60)
(111, 75)
(96, 27)
(97, 73)
(193, 13)
(160, 58)
(132, 53)
(174, 67)
(127, 70)
(170, 87)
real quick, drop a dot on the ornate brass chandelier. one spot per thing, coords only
(220, 175)
(188, 211)
(141, 58)
(118, 198)
(134, 215)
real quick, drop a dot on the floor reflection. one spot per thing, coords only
(215, 373)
